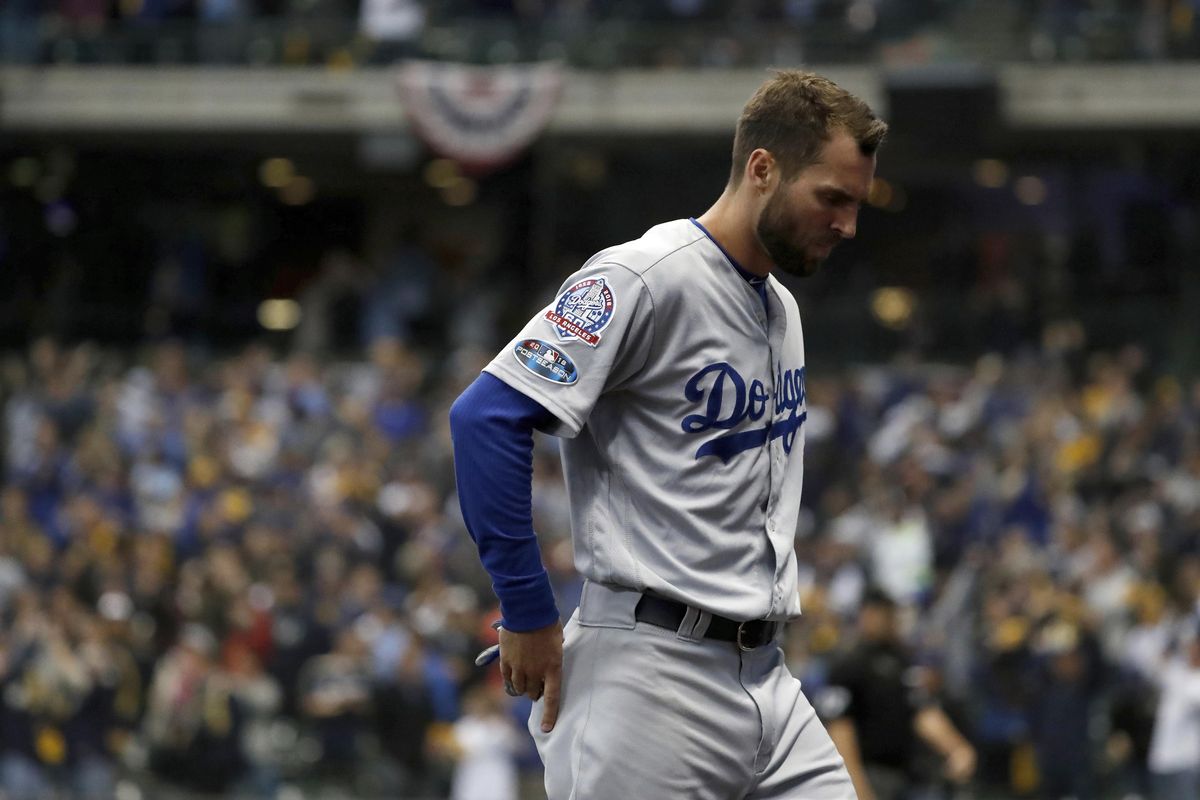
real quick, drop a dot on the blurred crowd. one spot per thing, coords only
(240, 574)
(247, 573)
(596, 33)
(1037, 522)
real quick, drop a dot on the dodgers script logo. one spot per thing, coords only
(728, 401)
(583, 311)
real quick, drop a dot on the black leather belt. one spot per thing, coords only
(664, 613)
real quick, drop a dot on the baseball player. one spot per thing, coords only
(672, 367)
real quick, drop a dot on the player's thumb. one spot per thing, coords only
(550, 701)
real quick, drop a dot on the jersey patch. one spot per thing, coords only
(546, 361)
(583, 310)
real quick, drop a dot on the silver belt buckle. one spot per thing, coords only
(741, 646)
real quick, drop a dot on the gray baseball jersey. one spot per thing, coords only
(680, 398)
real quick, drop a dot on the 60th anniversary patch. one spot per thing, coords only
(583, 310)
(546, 361)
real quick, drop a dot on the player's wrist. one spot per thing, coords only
(530, 624)
(527, 604)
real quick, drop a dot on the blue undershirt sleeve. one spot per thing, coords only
(492, 427)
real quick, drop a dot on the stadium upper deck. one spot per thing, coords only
(593, 34)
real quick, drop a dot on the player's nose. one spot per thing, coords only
(846, 224)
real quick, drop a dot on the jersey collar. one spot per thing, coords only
(751, 278)
(757, 282)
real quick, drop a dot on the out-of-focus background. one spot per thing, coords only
(242, 278)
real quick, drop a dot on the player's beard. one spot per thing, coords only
(774, 234)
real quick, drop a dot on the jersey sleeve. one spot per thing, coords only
(594, 335)
(491, 425)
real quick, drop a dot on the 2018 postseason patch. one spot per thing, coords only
(546, 361)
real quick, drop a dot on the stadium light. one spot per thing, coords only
(276, 173)
(461, 193)
(279, 314)
(298, 191)
(893, 306)
(1030, 190)
(442, 173)
(880, 194)
(60, 219)
(990, 173)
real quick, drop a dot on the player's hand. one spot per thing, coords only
(531, 664)
(960, 764)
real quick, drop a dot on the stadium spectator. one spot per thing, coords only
(335, 695)
(1065, 686)
(193, 721)
(487, 743)
(877, 712)
(1175, 744)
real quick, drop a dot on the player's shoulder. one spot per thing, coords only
(658, 249)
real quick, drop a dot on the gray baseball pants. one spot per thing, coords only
(655, 714)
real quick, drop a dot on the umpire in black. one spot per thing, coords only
(873, 704)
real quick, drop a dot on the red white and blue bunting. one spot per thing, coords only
(481, 117)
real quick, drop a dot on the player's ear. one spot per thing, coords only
(761, 169)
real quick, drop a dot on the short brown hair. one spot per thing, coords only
(793, 114)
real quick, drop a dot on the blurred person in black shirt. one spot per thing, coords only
(335, 696)
(403, 711)
(1066, 686)
(873, 701)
